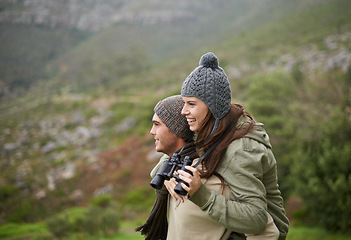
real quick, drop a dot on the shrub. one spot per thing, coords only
(7, 191)
(59, 226)
(110, 221)
(90, 224)
(325, 184)
(102, 201)
(139, 199)
(322, 173)
(21, 211)
(96, 220)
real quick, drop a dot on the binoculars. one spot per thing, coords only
(166, 172)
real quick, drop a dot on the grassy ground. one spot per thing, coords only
(314, 233)
(39, 231)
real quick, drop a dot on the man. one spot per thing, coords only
(172, 134)
(170, 128)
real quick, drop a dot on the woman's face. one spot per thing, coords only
(195, 111)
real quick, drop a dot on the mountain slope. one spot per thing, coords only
(65, 38)
(61, 133)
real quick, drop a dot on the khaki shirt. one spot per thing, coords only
(187, 221)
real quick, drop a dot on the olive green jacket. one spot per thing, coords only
(250, 170)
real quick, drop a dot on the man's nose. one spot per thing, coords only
(152, 131)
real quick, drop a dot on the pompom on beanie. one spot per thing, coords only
(209, 83)
(169, 111)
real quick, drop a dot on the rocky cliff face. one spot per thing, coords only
(94, 15)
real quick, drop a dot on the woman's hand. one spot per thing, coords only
(170, 185)
(194, 180)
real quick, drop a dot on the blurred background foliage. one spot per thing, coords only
(76, 100)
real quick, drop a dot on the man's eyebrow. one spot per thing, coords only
(154, 121)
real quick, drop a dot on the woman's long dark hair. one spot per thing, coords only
(210, 163)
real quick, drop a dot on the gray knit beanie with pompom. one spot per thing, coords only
(209, 83)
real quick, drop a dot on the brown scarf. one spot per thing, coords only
(156, 226)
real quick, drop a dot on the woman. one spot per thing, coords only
(234, 187)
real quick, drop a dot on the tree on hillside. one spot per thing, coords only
(271, 98)
(322, 175)
(308, 120)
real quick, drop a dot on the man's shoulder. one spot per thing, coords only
(164, 158)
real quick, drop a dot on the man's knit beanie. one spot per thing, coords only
(169, 111)
(209, 83)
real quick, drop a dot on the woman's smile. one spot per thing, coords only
(195, 111)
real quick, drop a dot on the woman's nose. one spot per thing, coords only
(184, 111)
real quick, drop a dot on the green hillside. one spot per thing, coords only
(25, 50)
(82, 126)
(36, 53)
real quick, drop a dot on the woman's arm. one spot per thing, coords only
(241, 168)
